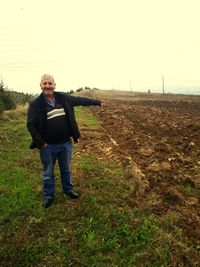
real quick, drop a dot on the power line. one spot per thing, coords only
(30, 64)
(25, 44)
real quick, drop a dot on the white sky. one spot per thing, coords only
(100, 43)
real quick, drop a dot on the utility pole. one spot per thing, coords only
(163, 85)
(131, 87)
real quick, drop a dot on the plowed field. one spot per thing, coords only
(158, 143)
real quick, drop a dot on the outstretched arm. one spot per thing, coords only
(83, 101)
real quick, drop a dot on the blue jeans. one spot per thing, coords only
(49, 155)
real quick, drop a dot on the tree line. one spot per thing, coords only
(10, 99)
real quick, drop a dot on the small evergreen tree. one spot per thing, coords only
(8, 102)
(6, 98)
(1, 107)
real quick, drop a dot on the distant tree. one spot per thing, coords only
(20, 98)
(71, 92)
(2, 87)
(8, 102)
(79, 89)
(1, 107)
(6, 98)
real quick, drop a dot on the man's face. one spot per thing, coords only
(48, 86)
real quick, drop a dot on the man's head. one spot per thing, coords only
(47, 85)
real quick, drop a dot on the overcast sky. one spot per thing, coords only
(101, 43)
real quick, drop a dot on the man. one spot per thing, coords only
(51, 123)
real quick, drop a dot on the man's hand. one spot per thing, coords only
(45, 145)
(104, 102)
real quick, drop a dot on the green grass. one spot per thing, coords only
(99, 229)
(86, 118)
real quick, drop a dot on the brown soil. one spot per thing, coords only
(158, 144)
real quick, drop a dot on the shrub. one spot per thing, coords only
(79, 89)
(6, 99)
(1, 107)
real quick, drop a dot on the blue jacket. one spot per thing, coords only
(37, 115)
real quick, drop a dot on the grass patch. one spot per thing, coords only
(86, 118)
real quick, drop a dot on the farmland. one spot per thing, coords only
(158, 144)
(137, 168)
(157, 140)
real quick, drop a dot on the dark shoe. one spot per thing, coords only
(72, 194)
(47, 202)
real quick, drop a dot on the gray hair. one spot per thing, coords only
(47, 76)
